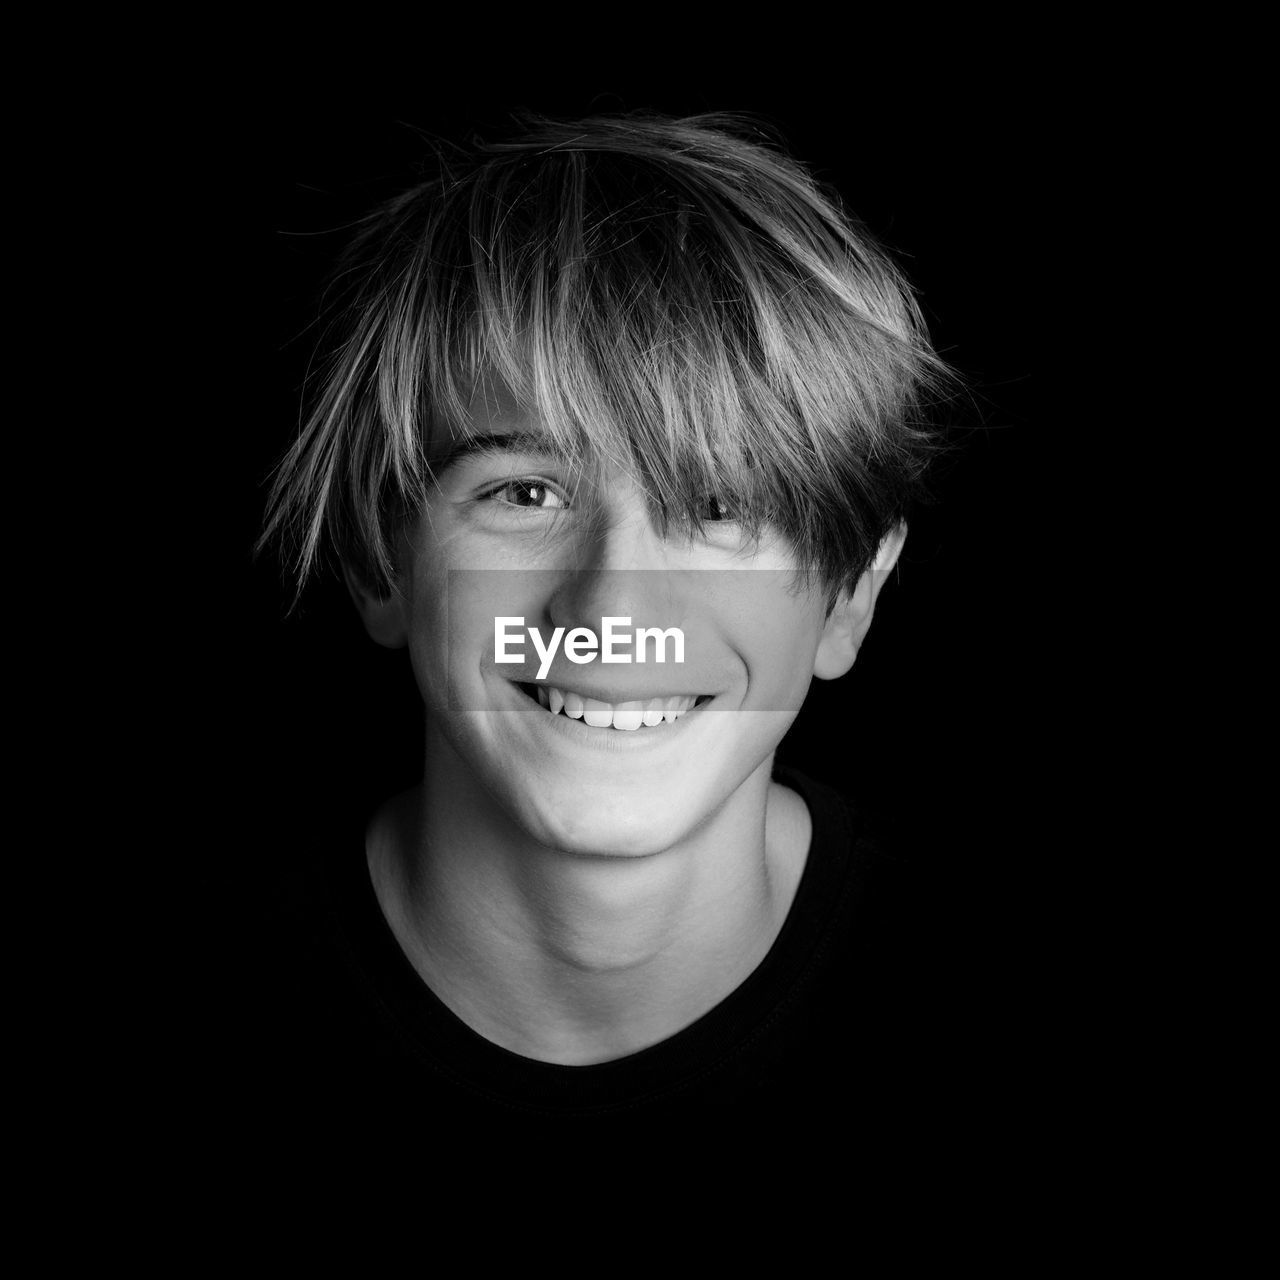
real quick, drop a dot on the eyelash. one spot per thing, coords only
(525, 483)
(717, 512)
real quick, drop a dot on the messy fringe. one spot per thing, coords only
(676, 296)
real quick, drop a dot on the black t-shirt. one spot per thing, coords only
(847, 1023)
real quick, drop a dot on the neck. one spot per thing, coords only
(574, 958)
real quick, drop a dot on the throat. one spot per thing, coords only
(577, 959)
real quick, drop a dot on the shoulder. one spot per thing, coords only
(861, 869)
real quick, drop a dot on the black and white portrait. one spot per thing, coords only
(618, 665)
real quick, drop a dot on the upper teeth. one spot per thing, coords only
(621, 715)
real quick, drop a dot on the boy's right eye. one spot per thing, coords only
(535, 495)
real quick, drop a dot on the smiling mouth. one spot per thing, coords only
(646, 714)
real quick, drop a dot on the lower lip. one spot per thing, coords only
(607, 738)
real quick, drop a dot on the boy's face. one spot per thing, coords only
(508, 533)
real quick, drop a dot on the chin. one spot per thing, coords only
(612, 828)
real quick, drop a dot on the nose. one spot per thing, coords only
(620, 570)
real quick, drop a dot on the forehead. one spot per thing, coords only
(492, 412)
(497, 418)
(494, 420)
(493, 406)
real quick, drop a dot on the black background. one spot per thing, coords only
(939, 726)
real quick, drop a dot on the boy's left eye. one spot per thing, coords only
(714, 510)
(531, 494)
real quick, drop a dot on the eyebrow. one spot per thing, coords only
(497, 442)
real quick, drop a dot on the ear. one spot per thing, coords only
(385, 618)
(849, 620)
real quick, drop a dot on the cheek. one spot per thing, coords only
(778, 652)
(432, 646)
(453, 626)
(770, 625)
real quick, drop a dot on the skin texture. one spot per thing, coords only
(577, 893)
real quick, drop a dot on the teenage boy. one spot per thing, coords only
(590, 387)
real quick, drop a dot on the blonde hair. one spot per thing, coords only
(674, 293)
